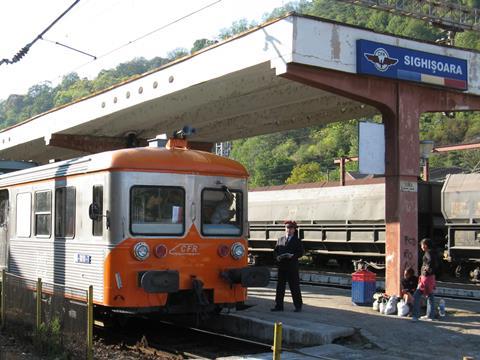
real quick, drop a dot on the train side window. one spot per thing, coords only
(65, 212)
(97, 223)
(3, 208)
(24, 214)
(43, 213)
(157, 210)
(222, 212)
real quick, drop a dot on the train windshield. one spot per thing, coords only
(222, 212)
(157, 210)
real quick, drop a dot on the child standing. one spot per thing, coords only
(426, 284)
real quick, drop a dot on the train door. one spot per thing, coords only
(3, 229)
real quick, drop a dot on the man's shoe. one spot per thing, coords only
(297, 310)
(425, 318)
(414, 319)
(276, 309)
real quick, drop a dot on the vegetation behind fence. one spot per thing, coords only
(56, 318)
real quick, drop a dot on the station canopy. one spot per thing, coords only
(231, 90)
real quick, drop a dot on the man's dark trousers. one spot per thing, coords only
(291, 276)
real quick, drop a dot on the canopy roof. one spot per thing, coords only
(230, 90)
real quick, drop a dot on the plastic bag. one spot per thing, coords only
(391, 307)
(402, 308)
(375, 305)
(381, 307)
(378, 296)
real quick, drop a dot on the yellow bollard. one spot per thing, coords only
(39, 305)
(277, 341)
(90, 323)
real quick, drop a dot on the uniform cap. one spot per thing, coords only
(290, 223)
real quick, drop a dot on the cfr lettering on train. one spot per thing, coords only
(185, 249)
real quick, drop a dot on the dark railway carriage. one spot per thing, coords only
(342, 222)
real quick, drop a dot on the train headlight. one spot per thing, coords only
(237, 251)
(141, 251)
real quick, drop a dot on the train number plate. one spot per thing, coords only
(82, 258)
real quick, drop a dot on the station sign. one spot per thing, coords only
(406, 64)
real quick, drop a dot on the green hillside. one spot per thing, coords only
(302, 155)
(307, 155)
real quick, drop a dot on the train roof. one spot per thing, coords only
(147, 159)
(321, 184)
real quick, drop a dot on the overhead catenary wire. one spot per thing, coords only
(71, 48)
(23, 51)
(137, 39)
(150, 33)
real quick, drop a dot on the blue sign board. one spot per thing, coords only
(406, 64)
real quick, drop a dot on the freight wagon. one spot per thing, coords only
(337, 222)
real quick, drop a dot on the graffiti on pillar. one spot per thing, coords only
(408, 255)
(408, 264)
(409, 240)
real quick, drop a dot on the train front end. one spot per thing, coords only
(178, 233)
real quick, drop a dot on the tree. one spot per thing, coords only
(38, 100)
(237, 27)
(68, 80)
(177, 54)
(201, 44)
(306, 173)
(78, 90)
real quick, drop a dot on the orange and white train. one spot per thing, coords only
(152, 229)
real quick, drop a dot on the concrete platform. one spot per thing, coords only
(344, 331)
(296, 330)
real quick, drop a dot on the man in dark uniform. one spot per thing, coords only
(287, 251)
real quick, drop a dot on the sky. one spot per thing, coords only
(98, 27)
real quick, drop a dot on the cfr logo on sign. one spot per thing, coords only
(381, 60)
(185, 249)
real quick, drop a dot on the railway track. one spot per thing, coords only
(152, 338)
